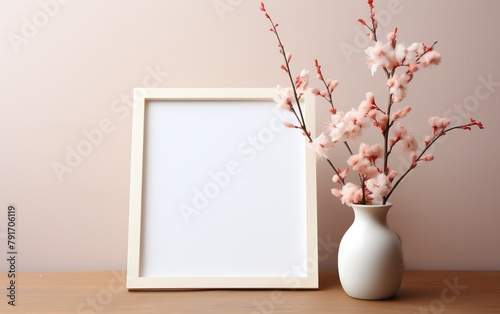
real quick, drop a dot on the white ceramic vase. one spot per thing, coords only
(370, 257)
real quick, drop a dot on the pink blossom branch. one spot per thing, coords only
(428, 49)
(286, 67)
(373, 28)
(362, 179)
(390, 123)
(328, 87)
(421, 155)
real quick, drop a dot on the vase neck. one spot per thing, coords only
(377, 213)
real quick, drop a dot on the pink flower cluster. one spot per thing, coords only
(390, 56)
(370, 164)
(350, 125)
(284, 98)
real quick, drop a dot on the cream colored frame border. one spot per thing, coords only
(134, 279)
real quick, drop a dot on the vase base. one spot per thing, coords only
(375, 298)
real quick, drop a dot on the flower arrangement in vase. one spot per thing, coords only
(375, 180)
(400, 63)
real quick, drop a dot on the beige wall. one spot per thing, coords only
(73, 71)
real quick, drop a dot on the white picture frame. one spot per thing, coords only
(221, 194)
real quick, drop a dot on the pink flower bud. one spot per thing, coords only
(343, 174)
(289, 125)
(336, 193)
(427, 139)
(372, 114)
(401, 113)
(391, 37)
(333, 84)
(392, 175)
(370, 98)
(413, 67)
(413, 155)
(478, 123)
(427, 157)
(430, 58)
(433, 121)
(444, 122)
(382, 122)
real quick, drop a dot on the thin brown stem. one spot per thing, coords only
(386, 134)
(300, 116)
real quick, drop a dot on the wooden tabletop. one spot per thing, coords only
(104, 292)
